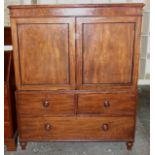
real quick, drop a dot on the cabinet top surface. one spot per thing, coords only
(77, 5)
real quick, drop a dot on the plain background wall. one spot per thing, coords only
(144, 73)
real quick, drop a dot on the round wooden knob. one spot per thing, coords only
(48, 127)
(106, 104)
(105, 127)
(45, 103)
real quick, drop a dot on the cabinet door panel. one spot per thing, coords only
(45, 53)
(105, 52)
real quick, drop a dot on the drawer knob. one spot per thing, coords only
(47, 127)
(46, 103)
(106, 104)
(105, 127)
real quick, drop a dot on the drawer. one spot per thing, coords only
(112, 104)
(77, 128)
(48, 104)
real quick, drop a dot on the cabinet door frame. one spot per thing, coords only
(71, 53)
(136, 20)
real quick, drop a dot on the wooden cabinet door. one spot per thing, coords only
(44, 53)
(107, 52)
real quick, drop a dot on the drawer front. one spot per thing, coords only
(79, 128)
(48, 104)
(113, 104)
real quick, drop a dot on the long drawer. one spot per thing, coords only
(77, 128)
(112, 104)
(45, 103)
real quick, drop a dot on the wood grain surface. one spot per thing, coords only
(76, 69)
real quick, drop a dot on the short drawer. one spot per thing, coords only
(79, 128)
(48, 104)
(113, 104)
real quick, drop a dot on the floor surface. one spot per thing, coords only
(141, 145)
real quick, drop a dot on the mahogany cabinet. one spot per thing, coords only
(76, 69)
(10, 126)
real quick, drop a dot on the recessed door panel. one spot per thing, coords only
(46, 53)
(105, 52)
